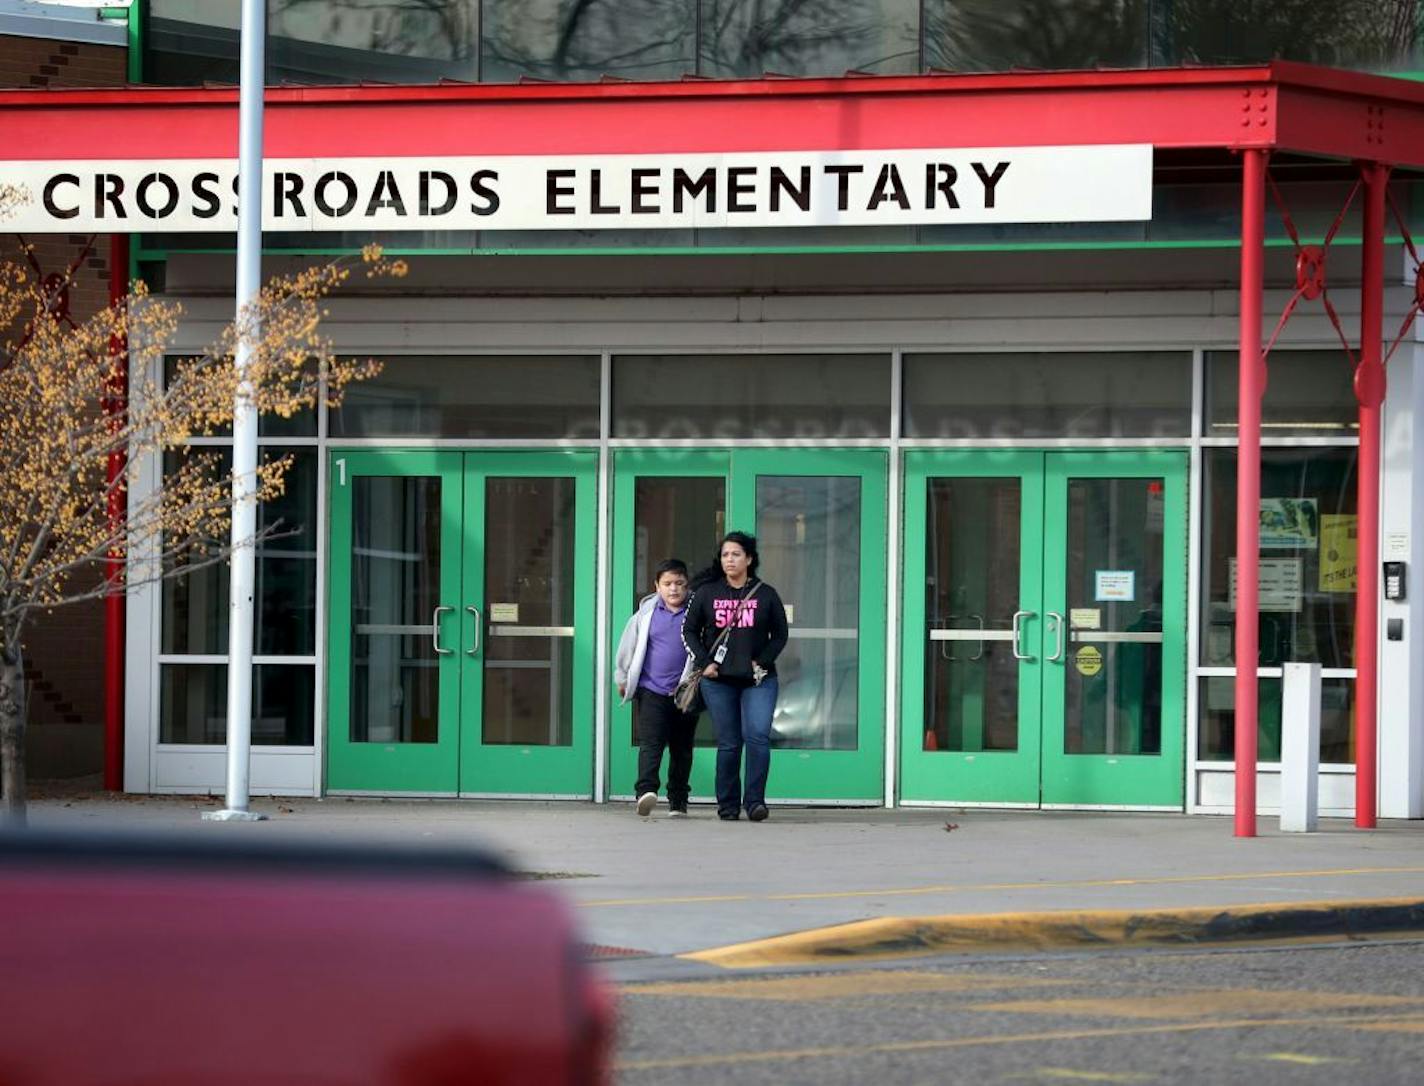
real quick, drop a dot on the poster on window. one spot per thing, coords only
(1281, 585)
(1338, 537)
(1289, 524)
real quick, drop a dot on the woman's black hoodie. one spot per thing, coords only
(758, 636)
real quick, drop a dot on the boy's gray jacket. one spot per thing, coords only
(633, 646)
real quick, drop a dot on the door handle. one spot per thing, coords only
(474, 650)
(1056, 621)
(1019, 616)
(435, 631)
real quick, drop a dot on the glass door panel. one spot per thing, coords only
(1115, 597)
(667, 503)
(819, 518)
(972, 658)
(526, 718)
(395, 596)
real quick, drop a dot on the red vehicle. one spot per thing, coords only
(161, 962)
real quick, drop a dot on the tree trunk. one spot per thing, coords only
(12, 742)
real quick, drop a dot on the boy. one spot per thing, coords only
(651, 660)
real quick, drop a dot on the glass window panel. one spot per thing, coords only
(1060, 394)
(808, 533)
(1216, 737)
(998, 35)
(193, 704)
(1113, 688)
(804, 396)
(195, 605)
(529, 611)
(1307, 392)
(972, 555)
(573, 40)
(474, 396)
(395, 587)
(302, 424)
(191, 42)
(1370, 34)
(748, 38)
(1308, 523)
(388, 41)
(675, 517)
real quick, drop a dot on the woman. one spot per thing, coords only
(739, 672)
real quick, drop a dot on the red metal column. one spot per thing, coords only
(1369, 391)
(1251, 387)
(114, 604)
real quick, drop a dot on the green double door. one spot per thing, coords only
(461, 622)
(820, 521)
(1045, 628)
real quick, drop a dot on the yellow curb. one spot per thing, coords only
(896, 937)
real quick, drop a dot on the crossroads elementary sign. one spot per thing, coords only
(1102, 183)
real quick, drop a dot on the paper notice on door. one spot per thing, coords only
(1085, 618)
(504, 612)
(790, 613)
(1114, 586)
(1280, 585)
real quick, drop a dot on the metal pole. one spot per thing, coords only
(244, 419)
(1251, 387)
(1369, 391)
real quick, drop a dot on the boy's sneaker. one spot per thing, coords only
(758, 813)
(677, 810)
(646, 802)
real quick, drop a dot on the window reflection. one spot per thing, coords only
(997, 35)
(748, 38)
(586, 39)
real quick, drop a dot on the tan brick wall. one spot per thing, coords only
(64, 651)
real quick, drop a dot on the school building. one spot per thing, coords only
(949, 317)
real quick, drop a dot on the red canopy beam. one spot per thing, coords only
(1251, 386)
(1369, 391)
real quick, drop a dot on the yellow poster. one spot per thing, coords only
(1338, 534)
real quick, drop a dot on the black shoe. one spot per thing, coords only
(758, 813)
(728, 816)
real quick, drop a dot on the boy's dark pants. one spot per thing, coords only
(661, 724)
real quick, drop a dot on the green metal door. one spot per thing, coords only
(819, 517)
(1045, 615)
(461, 623)
(395, 622)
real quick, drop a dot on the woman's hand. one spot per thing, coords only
(710, 671)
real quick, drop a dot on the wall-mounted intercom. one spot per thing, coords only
(1394, 581)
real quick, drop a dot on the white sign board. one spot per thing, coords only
(1114, 586)
(1281, 584)
(1109, 183)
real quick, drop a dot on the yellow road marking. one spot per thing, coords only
(1199, 1004)
(1299, 1057)
(1402, 1025)
(1068, 1074)
(910, 891)
(837, 986)
(940, 1044)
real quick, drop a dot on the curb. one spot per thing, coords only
(1004, 932)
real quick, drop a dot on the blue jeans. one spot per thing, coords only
(743, 718)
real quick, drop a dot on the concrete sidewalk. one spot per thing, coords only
(663, 886)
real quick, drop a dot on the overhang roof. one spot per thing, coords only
(1298, 109)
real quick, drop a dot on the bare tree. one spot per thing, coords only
(59, 430)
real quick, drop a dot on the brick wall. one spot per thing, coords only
(64, 651)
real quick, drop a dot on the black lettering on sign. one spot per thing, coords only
(684, 185)
(452, 192)
(800, 193)
(554, 190)
(54, 210)
(595, 183)
(990, 180)
(108, 187)
(888, 186)
(940, 178)
(203, 191)
(741, 181)
(645, 188)
(324, 183)
(145, 189)
(385, 194)
(842, 175)
(482, 182)
(287, 186)
(236, 187)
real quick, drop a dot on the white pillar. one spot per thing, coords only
(1300, 747)
(241, 601)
